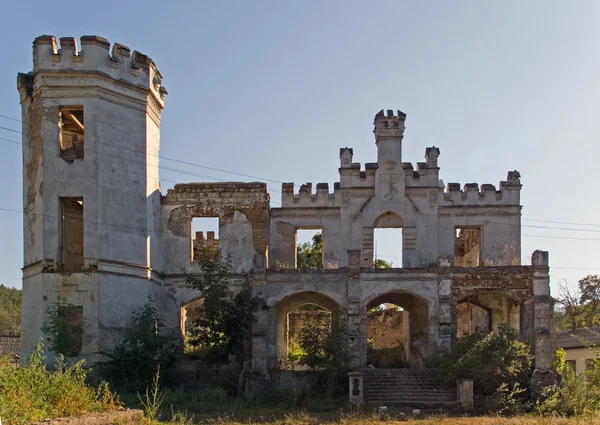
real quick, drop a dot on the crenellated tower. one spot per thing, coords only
(91, 195)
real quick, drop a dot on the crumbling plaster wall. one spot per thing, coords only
(286, 221)
(243, 212)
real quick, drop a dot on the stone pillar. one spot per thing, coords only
(464, 395)
(357, 324)
(543, 318)
(445, 313)
(543, 322)
(355, 388)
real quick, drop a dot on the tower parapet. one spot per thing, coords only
(96, 58)
(389, 126)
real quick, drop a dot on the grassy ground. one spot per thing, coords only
(368, 418)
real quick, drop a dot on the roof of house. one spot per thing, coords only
(578, 338)
(9, 345)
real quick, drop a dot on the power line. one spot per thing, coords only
(136, 162)
(9, 118)
(171, 159)
(146, 230)
(277, 181)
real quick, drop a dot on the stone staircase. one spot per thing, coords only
(417, 388)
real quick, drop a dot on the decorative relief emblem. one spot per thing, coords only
(432, 199)
(346, 199)
(356, 387)
(390, 165)
(390, 181)
(445, 288)
(445, 314)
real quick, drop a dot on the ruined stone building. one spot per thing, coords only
(100, 233)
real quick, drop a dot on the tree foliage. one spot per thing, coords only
(497, 362)
(579, 307)
(310, 255)
(147, 345)
(10, 311)
(322, 347)
(224, 318)
(61, 330)
(378, 263)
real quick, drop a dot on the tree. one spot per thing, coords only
(310, 255)
(63, 329)
(10, 311)
(224, 318)
(147, 345)
(579, 307)
(378, 263)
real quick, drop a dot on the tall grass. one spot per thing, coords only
(32, 392)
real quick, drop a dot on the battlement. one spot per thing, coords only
(389, 126)
(471, 192)
(96, 56)
(305, 197)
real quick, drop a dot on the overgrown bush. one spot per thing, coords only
(497, 362)
(62, 331)
(224, 318)
(31, 392)
(326, 350)
(576, 395)
(146, 346)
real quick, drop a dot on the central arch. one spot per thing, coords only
(327, 311)
(415, 333)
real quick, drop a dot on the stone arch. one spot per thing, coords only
(418, 340)
(184, 314)
(389, 220)
(291, 303)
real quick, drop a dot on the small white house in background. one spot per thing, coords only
(581, 346)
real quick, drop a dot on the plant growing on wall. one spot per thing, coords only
(224, 318)
(63, 328)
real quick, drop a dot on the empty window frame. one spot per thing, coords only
(205, 237)
(72, 133)
(72, 234)
(467, 247)
(387, 248)
(309, 249)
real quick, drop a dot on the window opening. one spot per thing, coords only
(467, 247)
(387, 248)
(309, 249)
(72, 234)
(205, 237)
(72, 133)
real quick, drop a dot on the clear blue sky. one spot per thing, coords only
(274, 89)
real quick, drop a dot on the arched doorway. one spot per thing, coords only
(398, 326)
(294, 312)
(189, 312)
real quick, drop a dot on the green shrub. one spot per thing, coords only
(31, 392)
(146, 346)
(576, 395)
(497, 362)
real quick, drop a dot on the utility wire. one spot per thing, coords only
(170, 159)
(276, 181)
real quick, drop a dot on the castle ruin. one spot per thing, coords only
(100, 233)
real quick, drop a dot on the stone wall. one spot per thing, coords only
(386, 328)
